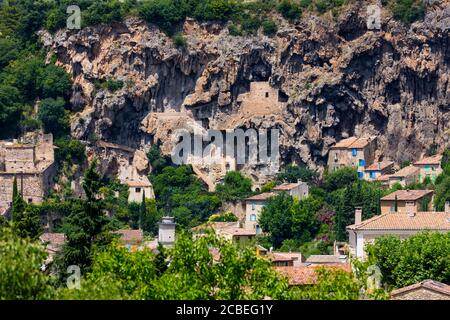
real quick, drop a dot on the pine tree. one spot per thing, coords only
(160, 260)
(142, 211)
(85, 226)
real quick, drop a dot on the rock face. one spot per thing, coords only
(335, 78)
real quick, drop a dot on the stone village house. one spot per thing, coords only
(403, 225)
(31, 161)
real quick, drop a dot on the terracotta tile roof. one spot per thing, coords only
(129, 235)
(384, 177)
(230, 228)
(53, 238)
(428, 284)
(325, 258)
(433, 221)
(286, 186)
(279, 257)
(345, 143)
(359, 143)
(305, 275)
(436, 159)
(380, 166)
(262, 197)
(407, 195)
(143, 182)
(406, 171)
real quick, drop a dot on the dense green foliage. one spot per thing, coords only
(417, 258)
(85, 227)
(20, 268)
(407, 11)
(331, 285)
(180, 193)
(234, 187)
(293, 173)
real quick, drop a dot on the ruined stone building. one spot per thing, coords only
(30, 160)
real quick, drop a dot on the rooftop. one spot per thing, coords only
(406, 171)
(143, 182)
(287, 186)
(428, 284)
(129, 235)
(407, 195)
(436, 159)
(379, 165)
(230, 228)
(353, 142)
(325, 258)
(436, 221)
(306, 274)
(262, 197)
(53, 238)
(384, 177)
(345, 143)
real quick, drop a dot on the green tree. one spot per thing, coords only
(28, 224)
(234, 187)
(293, 173)
(276, 218)
(53, 116)
(21, 260)
(193, 274)
(340, 178)
(417, 258)
(332, 284)
(85, 227)
(304, 222)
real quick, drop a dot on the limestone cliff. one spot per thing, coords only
(335, 78)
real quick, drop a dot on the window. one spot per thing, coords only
(373, 174)
(360, 174)
(335, 157)
(267, 94)
(30, 200)
(427, 167)
(253, 217)
(354, 152)
(362, 162)
(392, 209)
(138, 190)
(253, 206)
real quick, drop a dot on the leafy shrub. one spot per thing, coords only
(179, 41)
(407, 11)
(289, 10)
(114, 85)
(234, 30)
(269, 27)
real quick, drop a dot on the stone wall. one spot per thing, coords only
(421, 294)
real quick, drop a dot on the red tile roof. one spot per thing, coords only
(436, 159)
(405, 172)
(407, 195)
(305, 275)
(432, 221)
(428, 284)
(345, 143)
(359, 143)
(53, 238)
(384, 177)
(262, 197)
(379, 166)
(129, 235)
(286, 186)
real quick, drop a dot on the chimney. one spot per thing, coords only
(358, 215)
(447, 207)
(410, 207)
